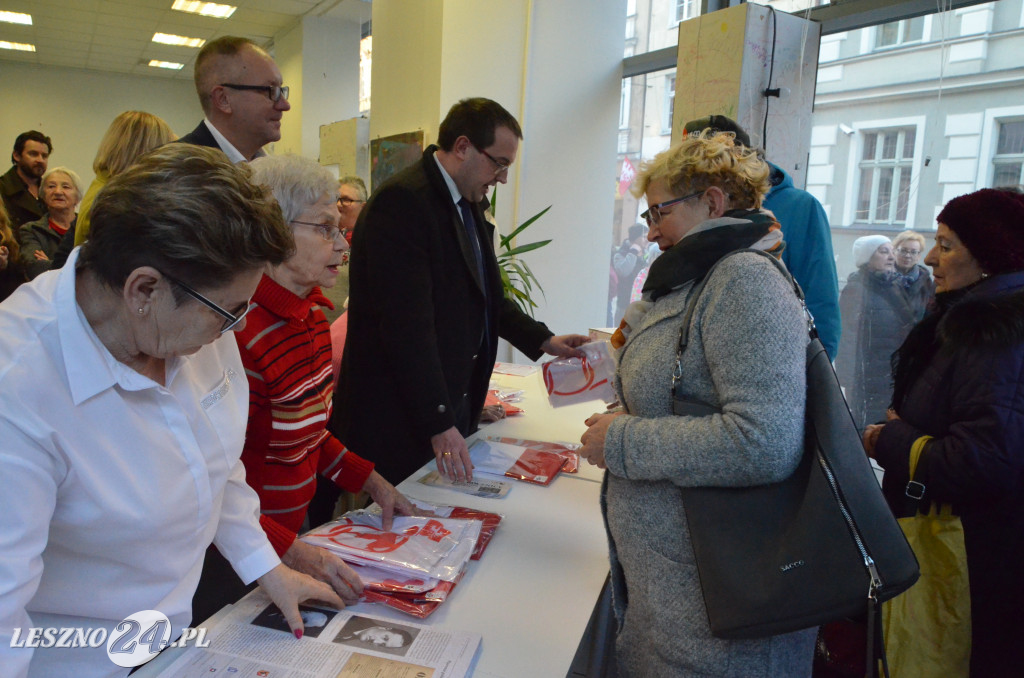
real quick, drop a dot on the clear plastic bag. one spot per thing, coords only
(578, 380)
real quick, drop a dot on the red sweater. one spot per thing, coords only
(286, 351)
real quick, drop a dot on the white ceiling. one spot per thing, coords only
(116, 35)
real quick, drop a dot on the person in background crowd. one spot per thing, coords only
(11, 273)
(913, 278)
(628, 261)
(746, 360)
(19, 186)
(286, 352)
(351, 198)
(40, 239)
(240, 91)
(808, 254)
(123, 404)
(131, 135)
(876, 319)
(427, 305)
(959, 378)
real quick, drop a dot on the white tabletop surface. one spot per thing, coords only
(532, 593)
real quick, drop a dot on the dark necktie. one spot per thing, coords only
(469, 222)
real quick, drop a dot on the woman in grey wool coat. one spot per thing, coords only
(746, 358)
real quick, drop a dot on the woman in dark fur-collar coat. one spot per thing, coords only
(959, 377)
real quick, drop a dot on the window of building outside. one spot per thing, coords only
(686, 9)
(907, 115)
(1008, 162)
(365, 63)
(899, 32)
(885, 167)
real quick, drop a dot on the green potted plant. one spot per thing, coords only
(517, 280)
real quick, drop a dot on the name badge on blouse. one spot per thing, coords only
(217, 394)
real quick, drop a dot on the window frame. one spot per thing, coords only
(854, 171)
(990, 139)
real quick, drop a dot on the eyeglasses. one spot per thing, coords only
(902, 250)
(328, 233)
(345, 202)
(274, 92)
(231, 320)
(652, 215)
(498, 164)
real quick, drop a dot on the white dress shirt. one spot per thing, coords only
(234, 155)
(111, 486)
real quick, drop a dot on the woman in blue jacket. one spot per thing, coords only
(959, 377)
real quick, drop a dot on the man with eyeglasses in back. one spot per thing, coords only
(240, 90)
(426, 305)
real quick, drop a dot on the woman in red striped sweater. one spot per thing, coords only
(286, 351)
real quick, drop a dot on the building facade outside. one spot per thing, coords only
(907, 116)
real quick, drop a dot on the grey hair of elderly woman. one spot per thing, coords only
(295, 181)
(70, 174)
(188, 212)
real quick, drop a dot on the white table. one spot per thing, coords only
(532, 593)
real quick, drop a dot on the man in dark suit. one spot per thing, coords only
(426, 306)
(240, 90)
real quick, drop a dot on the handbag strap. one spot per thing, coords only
(684, 331)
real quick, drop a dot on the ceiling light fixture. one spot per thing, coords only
(173, 65)
(179, 40)
(20, 46)
(16, 18)
(204, 8)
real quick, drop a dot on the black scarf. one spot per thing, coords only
(693, 256)
(921, 345)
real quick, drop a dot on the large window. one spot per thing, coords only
(1008, 162)
(887, 158)
(900, 32)
(686, 9)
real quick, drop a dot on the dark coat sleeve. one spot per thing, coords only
(976, 453)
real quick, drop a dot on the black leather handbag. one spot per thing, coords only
(816, 547)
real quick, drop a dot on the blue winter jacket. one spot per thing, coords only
(808, 254)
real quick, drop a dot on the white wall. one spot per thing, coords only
(74, 108)
(558, 68)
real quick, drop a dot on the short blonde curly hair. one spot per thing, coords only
(708, 159)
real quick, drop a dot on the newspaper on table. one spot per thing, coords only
(430, 546)
(515, 461)
(253, 639)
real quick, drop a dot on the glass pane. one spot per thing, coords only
(887, 34)
(908, 143)
(864, 195)
(903, 199)
(913, 29)
(1007, 174)
(870, 141)
(884, 199)
(889, 145)
(1011, 137)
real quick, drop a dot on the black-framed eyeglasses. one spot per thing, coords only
(274, 92)
(652, 215)
(499, 166)
(901, 250)
(328, 233)
(230, 319)
(345, 201)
